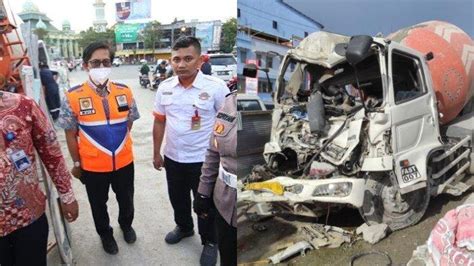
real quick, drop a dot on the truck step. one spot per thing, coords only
(458, 189)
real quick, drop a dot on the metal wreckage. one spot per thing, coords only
(381, 124)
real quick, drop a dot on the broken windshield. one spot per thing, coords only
(305, 79)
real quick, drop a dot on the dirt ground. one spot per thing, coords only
(254, 246)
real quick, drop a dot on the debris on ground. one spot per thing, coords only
(372, 233)
(325, 235)
(420, 257)
(300, 247)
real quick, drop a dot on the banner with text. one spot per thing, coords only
(127, 33)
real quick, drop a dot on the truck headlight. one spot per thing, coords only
(341, 189)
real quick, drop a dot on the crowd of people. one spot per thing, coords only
(194, 142)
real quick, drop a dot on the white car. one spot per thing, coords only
(224, 66)
(248, 102)
(117, 62)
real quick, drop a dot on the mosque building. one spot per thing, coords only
(62, 43)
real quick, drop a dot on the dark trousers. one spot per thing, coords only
(97, 186)
(25, 246)
(227, 241)
(183, 178)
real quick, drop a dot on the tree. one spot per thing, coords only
(229, 33)
(90, 36)
(151, 34)
(41, 33)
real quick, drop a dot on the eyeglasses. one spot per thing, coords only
(96, 63)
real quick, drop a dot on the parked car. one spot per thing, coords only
(248, 102)
(223, 66)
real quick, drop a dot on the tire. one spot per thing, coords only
(384, 204)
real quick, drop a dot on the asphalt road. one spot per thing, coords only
(153, 212)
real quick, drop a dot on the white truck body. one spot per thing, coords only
(380, 148)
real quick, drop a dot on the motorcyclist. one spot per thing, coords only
(144, 70)
(160, 73)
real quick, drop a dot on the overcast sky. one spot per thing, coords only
(352, 17)
(81, 13)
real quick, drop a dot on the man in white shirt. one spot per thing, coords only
(186, 105)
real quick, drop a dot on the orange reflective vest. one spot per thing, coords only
(104, 141)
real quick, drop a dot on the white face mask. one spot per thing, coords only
(100, 75)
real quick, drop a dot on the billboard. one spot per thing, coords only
(132, 9)
(205, 33)
(127, 33)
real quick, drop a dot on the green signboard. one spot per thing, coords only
(127, 33)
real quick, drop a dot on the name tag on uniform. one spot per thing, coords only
(86, 107)
(122, 103)
(225, 117)
(20, 160)
(196, 121)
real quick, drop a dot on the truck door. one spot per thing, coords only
(413, 114)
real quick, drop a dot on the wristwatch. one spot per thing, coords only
(77, 164)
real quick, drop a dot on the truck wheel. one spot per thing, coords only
(383, 203)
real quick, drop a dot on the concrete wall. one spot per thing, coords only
(259, 15)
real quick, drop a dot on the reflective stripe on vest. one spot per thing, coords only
(105, 144)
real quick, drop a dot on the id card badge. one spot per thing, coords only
(195, 121)
(20, 160)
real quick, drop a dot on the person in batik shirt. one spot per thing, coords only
(23, 225)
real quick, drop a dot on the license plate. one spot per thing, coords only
(222, 72)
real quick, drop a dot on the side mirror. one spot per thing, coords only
(250, 70)
(358, 49)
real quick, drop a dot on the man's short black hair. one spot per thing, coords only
(91, 48)
(185, 42)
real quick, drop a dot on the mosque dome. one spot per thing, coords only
(30, 7)
(66, 25)
(41, 24)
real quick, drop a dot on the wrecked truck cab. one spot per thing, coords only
(314, 152)
(319, 108)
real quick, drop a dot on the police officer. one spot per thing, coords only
(218, 185)
(186, 105)
(100, 114)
